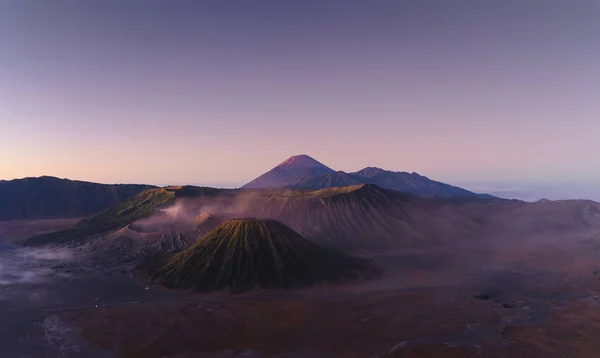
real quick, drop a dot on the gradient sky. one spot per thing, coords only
(218, 92)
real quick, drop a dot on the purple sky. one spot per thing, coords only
(217, 92)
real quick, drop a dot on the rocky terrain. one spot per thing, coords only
(467, 299)
(461, 277)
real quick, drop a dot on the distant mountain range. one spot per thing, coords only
(360, 217)
(302, 171)
(352, 219)
(50, 197)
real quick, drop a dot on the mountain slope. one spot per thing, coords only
(243, 254)
(140, 206)
(135, 208)
(303, 172)
(361, 217)
(332, 180)
(293, 170)
(49, 197)
(412, 183)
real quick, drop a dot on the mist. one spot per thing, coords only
(187, 213)
(533, 191)
(20, 266)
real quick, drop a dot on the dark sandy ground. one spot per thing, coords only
(494, 297)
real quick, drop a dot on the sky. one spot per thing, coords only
(218, 92)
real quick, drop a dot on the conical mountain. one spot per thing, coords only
(243, 254)
(290, 172)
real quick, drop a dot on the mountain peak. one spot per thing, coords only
(301, 161)
(290, 172)
(370, 172)
(373, 168)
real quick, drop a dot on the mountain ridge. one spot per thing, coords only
(52, 197)
(413, 183)
(304, 172)
(360, 218)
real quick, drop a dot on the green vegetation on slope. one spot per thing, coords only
(137, 207)
(243, 254)
(123, 214)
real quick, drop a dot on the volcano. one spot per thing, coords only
(290, 172)
(243, 254)
(304, 172)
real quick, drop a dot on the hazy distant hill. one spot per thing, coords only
(411, 183)
(305, 172)
(50, 197)
(290, 172)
